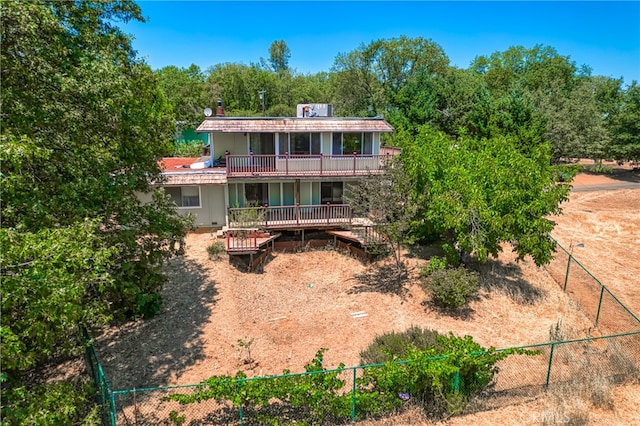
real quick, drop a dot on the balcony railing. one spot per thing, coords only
(290, 217)
(304, 165)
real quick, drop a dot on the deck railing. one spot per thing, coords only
(282, 217)
(304, 165)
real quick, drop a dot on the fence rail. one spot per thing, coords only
(281, 217)
(520, 377)
(304, 165)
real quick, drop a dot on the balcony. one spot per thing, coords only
(294, 165)
(291, 217)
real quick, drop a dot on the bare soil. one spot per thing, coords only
(218, 319)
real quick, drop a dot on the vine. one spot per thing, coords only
(441, 379)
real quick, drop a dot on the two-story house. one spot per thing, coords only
(277, 173)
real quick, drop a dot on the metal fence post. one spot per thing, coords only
(599, 306)
(353, 397)
(240, 411)
(566, 277)
(112, 407)
(549, 368)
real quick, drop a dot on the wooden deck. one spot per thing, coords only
(248, 241)
(291, 217)
(364, 236)
(304, 165)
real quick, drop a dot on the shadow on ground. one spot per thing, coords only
(146, 353)
(507, 279)
(381, 279)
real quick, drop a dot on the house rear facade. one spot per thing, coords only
(287, 173)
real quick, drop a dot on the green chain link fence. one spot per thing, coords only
(519, 378)
(600, 305)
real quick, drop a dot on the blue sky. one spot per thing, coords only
(603, 35)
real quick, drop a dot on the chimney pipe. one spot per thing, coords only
(219, 110)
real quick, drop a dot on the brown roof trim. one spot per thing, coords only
(293, 124)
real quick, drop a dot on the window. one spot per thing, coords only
(348, 143)
(262, 143)
(331, 192)
(184, 196)
(300, 143)
(256, 193)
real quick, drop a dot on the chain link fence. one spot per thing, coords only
(601, 306)
(614, 357)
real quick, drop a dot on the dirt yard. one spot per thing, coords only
(216, 316)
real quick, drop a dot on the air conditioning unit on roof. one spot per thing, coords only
(314, 110)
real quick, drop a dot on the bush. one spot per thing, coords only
(435, 264)
(216, 250)
(188, 149)
(441, 378)
(600, 169)
(393, 346)
(60, 403)
(452, 288)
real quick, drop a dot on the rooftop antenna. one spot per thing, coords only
(261, 95)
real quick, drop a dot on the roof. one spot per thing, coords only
(293, 124)
(177, 171)
(202, 177)
(173, 163)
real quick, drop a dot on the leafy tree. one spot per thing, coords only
(534, 69)
(625, 125)
(84, 125)
(387, 200)
(184, 89)
(479, 193)
(279, 54)
(238, 86)
(455, 99)
(367, 80)
(576, 128)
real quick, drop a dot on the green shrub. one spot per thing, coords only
(393, 346)
(188, 149)
(452, 288)
(600, 169)
(435, 264)
(441, 378)
(216, 250)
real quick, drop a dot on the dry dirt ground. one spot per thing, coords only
(214, 313)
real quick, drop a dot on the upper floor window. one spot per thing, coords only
(300, 143)
(184, 196)
(262, 143)
(347, 143)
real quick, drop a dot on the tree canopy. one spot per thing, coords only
(480, 193)
(84, 124)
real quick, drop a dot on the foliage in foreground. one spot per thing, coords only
(60, 403)
(84, 124)
(441, 376)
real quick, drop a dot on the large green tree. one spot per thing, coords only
(83, 127)
(576, 121)
(279, 54)
(624, 123)
(184, 89)
(482, 192)
(367, 80)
